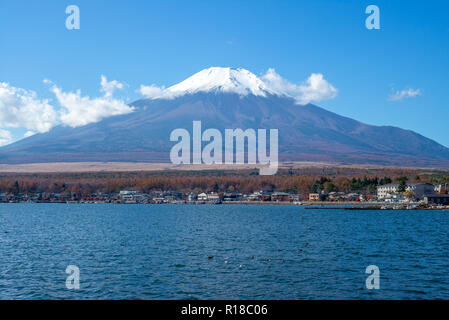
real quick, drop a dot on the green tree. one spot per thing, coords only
(372, 188)
(16, 188)
(330, 187)
(402, 184)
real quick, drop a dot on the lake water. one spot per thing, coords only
(165, 252)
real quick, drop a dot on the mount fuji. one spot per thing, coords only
(227, 98)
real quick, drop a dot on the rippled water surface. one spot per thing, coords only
(220, 252)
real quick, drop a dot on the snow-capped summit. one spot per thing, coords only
(233, 80)
(243, 82)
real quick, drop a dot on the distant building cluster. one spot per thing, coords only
(423, 193)
(156, 197)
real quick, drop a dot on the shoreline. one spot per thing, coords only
(306, 204)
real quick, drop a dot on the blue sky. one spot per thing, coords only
(164, 42)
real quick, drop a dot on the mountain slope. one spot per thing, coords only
(306, 133)
(225, 98)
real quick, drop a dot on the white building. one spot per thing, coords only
(256, 196)
(213, 196)
(128, 193)
(387, 190)
(132, 196)
(202, 197)
(418, 189)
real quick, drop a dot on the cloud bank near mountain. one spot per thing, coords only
(152, 91)
(5, 137)
(77, 110)
(21, 108)
(314, 89)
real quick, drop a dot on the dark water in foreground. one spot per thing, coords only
(161, 252)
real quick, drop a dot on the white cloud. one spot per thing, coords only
(21, 108)
(155, 92)
(5, 137)
(315, 88)
(152, 91)
(278, 84)
(404, 94)
(29, 134)
(109, 87)
(77, 110)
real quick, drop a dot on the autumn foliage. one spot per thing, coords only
(244, 181)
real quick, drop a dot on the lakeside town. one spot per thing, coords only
(388, 196)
